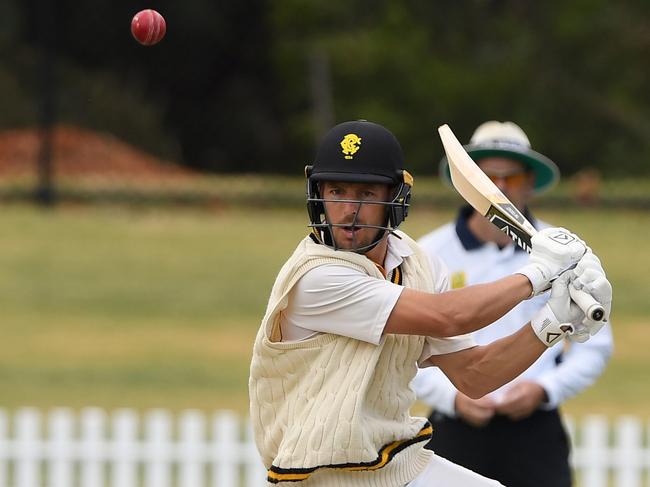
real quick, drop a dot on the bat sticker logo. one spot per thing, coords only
(518, 236)
(513, 212)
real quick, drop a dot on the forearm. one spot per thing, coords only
(459, 311)
(481, 370)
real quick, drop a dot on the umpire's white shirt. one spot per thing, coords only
(561, 371)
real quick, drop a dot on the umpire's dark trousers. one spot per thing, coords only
(533, 452)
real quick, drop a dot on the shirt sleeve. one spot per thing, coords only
(433, 388)
(580, 367)
(343, 301)
(441, 346)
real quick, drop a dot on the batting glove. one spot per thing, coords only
(554, 250)
(580, 333)
(589, 276)
(560, 316)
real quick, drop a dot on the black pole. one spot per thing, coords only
(46, 23)
(321, 92)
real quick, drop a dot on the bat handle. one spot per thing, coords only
(592, 308)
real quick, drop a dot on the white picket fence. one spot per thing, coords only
(611, 454)
(92, 448)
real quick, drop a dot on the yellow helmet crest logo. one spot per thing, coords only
(350, 145)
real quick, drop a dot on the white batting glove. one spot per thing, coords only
(590, 278)
(554, 250)
(580, 333)
(560, 316)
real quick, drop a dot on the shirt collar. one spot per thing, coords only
(397, 251)
(468, 239)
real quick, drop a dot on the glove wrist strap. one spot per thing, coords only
(546, 326)
(537, 275)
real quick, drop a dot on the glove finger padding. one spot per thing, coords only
(589, 261)
(560, 299)
(593, 327)
(581, 334)
(553, 251)
(596, 284)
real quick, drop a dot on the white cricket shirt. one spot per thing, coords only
(562, 373)
(344, 301)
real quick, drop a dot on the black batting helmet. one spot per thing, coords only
(360, 152)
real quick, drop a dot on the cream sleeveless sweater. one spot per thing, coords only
(332, 410)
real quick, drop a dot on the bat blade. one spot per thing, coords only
(484, 196)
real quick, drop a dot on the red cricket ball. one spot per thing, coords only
(148, 27)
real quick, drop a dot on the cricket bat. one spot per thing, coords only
(484, 196)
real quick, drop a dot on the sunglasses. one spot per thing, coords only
(512, 180)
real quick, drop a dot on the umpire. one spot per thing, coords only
(515, 434)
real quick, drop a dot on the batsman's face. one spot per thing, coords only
(511, 177)
(350, 206)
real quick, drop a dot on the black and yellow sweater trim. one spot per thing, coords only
(396, 278)
(385, 455)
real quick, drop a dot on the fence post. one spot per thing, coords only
(60, 448)
(93, 425)
(646, 454)
(192, 448)
(28, 422)
(255, 471)
(595, 461)
(124, 451)
(157, 449)
(570, 427)
(225, 434)
(628, 452)
(4, 448)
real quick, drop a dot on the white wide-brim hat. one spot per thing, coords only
(507, 139)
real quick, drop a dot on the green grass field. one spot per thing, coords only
(147, 308)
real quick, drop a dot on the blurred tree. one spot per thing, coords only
(16, 96)
(248, 85)
(413, 65)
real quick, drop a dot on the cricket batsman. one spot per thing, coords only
(358, 307)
